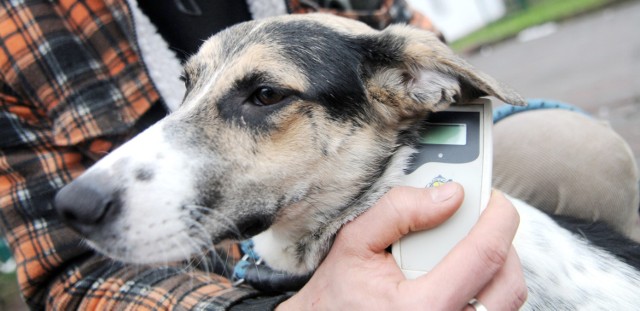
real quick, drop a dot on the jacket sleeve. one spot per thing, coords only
(377, 15)
(71, 89)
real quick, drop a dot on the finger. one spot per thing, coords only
(474, 261)
(400, 211)
(507, 290)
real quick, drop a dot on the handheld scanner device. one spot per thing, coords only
(455, 145)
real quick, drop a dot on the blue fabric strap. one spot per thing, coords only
(250, 258)
(532, 104)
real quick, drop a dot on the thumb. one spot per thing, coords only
(400, 211)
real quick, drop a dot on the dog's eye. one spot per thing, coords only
(185, 79)
(266, 96)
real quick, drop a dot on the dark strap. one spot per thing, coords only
(267, 280)
(252, 271)
(259, 303)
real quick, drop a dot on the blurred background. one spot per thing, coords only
(582, 52)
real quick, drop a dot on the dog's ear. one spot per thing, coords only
(429, 72)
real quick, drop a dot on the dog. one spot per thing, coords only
(290, 128)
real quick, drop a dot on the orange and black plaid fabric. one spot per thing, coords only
(72, 87)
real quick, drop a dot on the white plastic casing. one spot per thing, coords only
(417, 253)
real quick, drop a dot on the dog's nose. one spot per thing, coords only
(87, 204)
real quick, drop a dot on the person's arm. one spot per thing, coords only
(377, 14)
(358, 274)
(72, 87)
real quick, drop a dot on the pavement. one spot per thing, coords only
(592, 61)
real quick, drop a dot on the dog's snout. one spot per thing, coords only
(87, 204)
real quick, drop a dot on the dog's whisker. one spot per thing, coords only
(200, 256)
(221, 218)
(199, 239)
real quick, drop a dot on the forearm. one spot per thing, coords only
(99, 283)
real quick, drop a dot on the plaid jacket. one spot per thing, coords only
(72, 87)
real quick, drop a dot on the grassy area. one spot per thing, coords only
(539, 13)
(9, 296)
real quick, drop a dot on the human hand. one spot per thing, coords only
(359, 274)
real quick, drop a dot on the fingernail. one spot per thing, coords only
(443, 192)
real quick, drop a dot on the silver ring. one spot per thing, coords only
(477, 305)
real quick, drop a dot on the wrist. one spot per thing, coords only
(295, 302)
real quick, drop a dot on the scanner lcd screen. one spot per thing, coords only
(444, 134)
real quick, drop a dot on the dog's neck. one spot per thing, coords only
(299, 249)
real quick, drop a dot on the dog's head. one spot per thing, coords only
(294, 124)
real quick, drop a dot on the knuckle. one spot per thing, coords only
(403, 211)
(493, 254)
(521, 293)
